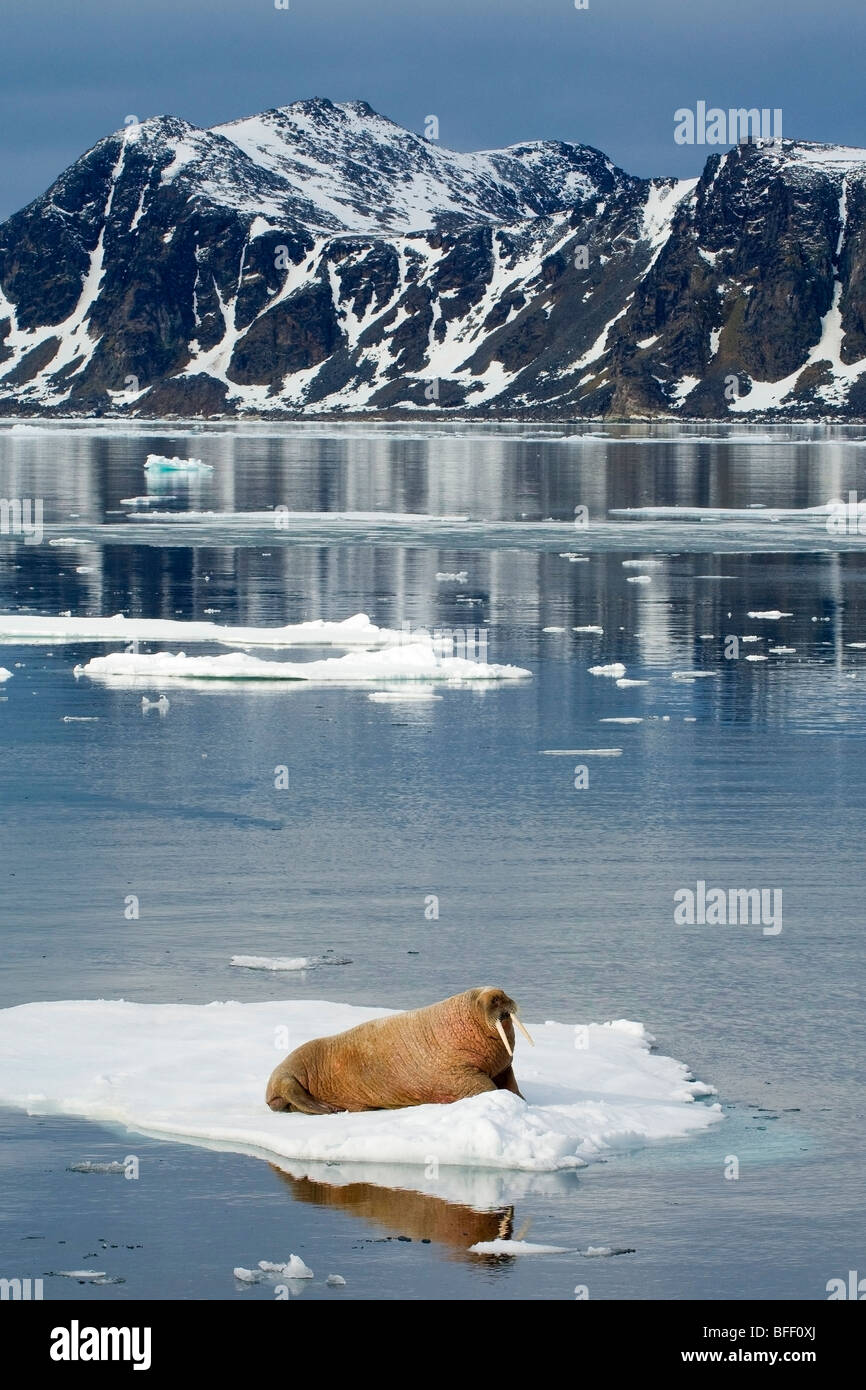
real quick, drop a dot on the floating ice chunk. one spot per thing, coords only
(691, 675)
(707, 637)
(247, 1276)
(750, 638)
(163, 704)
(80, 719)
(622, 719)
(294, 1268)
(159, 463)
(274, 962)
(85, 569)
(756, 657)
(639, 579)
(615, 670)
(87, 1167)
(287, 962)
(581, 752)
(573, 557)
(197, 1074)
(771, 614)
(859, 646)
(553, 629)
(784, 651)
(642, 564)
(515, 1247)
(68, 540)
(5, 675)
(335, 1281)
(591, 628)
(625, 684)
(456, 577)
(415, 662)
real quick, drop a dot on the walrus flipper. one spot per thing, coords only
(293, 1096)
(506, 1081)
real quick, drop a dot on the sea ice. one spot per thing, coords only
(515, 1247)
(5, 675)
(197, 1074)
(417, 661)
(590, 627)
(616, 670)
(287, 962)
(357, 631)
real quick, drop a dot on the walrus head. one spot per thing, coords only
(496, 1007)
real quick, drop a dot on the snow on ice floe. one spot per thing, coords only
(159, 463)
(590, 628)
(771, 614)
(415, 662)
(5, 675)
(357, 631)
(615, 670)
(197, 1073)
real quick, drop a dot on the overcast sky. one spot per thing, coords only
(493, 71)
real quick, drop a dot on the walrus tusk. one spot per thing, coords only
(524, 1031)
(501, 1031)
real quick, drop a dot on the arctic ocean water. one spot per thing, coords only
(750, 778)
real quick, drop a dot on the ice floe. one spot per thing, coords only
(5, 675)
(357, 631)
(615, 670)
(515, 1247)
(415, 662)
(197, 1073)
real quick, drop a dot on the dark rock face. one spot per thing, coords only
(320, 258)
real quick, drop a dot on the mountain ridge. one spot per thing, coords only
(319, 258)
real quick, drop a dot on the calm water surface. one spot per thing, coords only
(750, 778)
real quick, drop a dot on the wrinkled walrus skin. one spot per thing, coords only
(430, 1056)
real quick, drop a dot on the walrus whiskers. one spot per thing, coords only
(501, 1031)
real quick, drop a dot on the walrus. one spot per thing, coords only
(459, 1047)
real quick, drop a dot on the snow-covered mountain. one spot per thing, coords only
(319, 257)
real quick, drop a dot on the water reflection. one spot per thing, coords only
(456, 1209)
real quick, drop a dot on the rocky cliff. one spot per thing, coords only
(320, 258)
